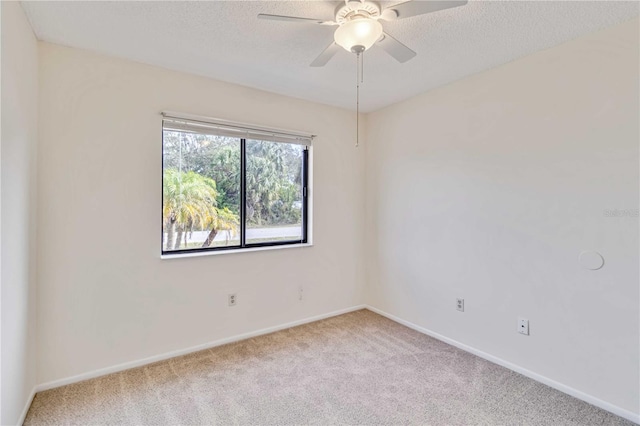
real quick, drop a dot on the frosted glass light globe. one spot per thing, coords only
(358, 32)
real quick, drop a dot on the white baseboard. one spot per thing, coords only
(23, 416)
(138, 363)
(629, 415)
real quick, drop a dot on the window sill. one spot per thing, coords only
(243, 250)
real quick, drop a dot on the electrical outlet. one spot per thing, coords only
(523, 326)
(460, 305)
(233, 299)
(300, 293)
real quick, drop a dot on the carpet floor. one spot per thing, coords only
(357, 368)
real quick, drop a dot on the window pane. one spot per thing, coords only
(274, 192)
(200, 191)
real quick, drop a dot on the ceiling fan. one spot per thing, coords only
(359, 27)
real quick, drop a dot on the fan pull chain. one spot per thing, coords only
(361, 67)
(359, 79)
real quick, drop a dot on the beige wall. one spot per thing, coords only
(17, 211)
(489, 188)
(105, 297)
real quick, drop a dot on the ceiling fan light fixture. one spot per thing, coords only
(358, 32)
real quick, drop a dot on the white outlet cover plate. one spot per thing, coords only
(523, 326)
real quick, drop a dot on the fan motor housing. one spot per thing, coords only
(355, 10)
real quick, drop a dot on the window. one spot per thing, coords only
(227, 187)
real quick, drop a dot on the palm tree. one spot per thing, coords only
(189, 202)
(265, 168)
(224, 219)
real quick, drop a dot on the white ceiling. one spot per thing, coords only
(225, 41)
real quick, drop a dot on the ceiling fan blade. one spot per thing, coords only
(418, 7)
(396, 49)
(326, 55)
(295, 19)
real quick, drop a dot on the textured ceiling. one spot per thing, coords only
(225, 41)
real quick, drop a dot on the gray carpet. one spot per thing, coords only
(357, 368)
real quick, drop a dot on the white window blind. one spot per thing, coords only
(218, 127)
